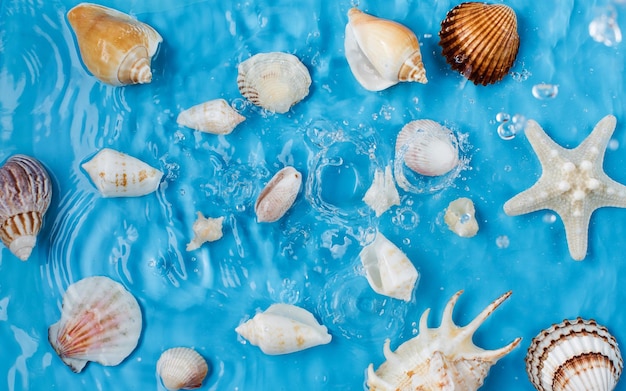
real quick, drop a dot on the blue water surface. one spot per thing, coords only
(52, 108)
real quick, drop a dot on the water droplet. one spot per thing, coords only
(543, 91)
(549, 218)
(502, 117)
(507, 131)
(406, 241)
(521, 76)
(604, 28)
(613, 145)
(507, 168)
(502, 241)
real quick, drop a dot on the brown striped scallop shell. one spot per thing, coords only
(25, 193)
(480, 40)
(574, 355)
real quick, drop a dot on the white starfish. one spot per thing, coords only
(572, 182)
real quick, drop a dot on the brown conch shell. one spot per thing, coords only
(25, 192)
(480, 40)
(116, 48)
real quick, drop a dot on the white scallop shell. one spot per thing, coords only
(182, 369)
(284, 328)
(278, 195)
(116, 174)
(275, 81)
(381, 52)
(388, 270)
(100, 321)
(574, 355)
(460, 217)
(443, 358)
(214, 116)
(205, 229)
(383, 193)
(427, 147)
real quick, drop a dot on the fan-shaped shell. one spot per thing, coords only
(443, 358)
(574, 355)
(116, 48)
(182, 369)
(25, 193)
(215, 116)
(275, 81)
(480, 40)
(100, 321)
(278, 195)
(381, 52)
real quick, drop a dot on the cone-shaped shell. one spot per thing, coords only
(100, 321)
(574, 355)
(480, 40)
(25, 193)
(215, 116)
(274, 81)
(381, 52)
(278, 195)
(182, 369)
(116, 48)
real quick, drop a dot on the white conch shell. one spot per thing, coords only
(116, 174)
(275, 81)
(443, 358)
(574, 355)
(205, 230)
(182, 369)
(460, 217)
(381, 52)
(278, 195)
(284, 328)
(25, 193)
(427, 147)
(383, 193)
(388, 270)
(100, 321)
(215, 116)
(116, 48)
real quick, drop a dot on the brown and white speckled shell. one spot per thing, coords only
(182, 369)
(480, 40)
(25, 193)
(278, 195)
(574, 355)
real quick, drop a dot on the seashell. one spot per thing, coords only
(278, 195)
(383, 193)
(574, 355)
(388, 270)
(443, 358)
(460, 217)
(182, 369)
(480, 40)
(274, 81)
(427, 147)
(381, 52)
(284, 328)
(215, 116)
(25, 193)
(205, 230)
(116, 174)
(100, 321)
(116, 48)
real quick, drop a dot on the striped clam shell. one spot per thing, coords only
(480, 40)
(25, 193)
(574, 355)
(182, 369)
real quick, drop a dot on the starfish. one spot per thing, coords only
(572, 182)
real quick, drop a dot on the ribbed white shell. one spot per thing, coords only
(182, 369)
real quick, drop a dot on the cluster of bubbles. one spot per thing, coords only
(604, 28)
(509, 126)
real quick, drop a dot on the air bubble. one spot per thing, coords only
(503, 117)
(507, 131)
(604, 28)
(545, 91)
(549, 218)
(502, 241)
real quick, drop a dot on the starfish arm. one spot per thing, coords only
(593, 147)
(542, 144)
(613, 194)
(528, 201)
(576, 232)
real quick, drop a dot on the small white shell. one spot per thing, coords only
(383, 193)
(388, 270)
(284, 328)
(427, 147)
(460, 217)
(182, 369)
(275, 81)
(116, 174)
(215, 116)
(278, 195)
(205, 230)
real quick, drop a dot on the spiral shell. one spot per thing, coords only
(480, 40)
(278, 195)
(574, 355)
(214, 116)
(182, 369)
(381, 52)
(274, 81)
(116, 48)
(25, 193)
